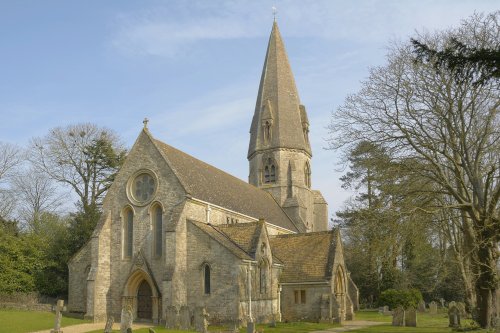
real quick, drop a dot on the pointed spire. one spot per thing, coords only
(277, 91)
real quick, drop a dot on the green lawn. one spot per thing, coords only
(426, 323)
(14, 321)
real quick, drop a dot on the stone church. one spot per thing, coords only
(176, 231)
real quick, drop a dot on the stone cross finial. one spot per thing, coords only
(145, 122)
(275, 11)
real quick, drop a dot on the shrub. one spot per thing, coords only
(405, 298)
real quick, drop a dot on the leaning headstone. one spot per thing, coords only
(109, 324)
(398, 316)
(151, 330)
(126, 319)
(454, 316)
(433, 308)
(57, 323)
(421, 306)
(411, 317)
(172, 315)
(184, 318)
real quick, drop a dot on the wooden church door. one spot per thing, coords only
(144, 301)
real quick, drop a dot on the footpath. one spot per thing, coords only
(350, 326)
(82, 328)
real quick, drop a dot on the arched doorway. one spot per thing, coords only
(144, 301)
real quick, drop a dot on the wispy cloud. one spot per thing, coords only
(170, 30)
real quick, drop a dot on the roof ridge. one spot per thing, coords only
(304, 234)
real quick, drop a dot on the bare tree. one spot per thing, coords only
(451, 126)
(83, 156)
(36, 194)
(10, 157)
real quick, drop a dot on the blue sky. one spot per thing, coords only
(193, 67)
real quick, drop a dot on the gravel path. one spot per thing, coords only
(350, 326)
(82, 328)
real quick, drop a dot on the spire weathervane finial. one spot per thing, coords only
(275, 11)
(145, 122)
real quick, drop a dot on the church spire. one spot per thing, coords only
(279, 120)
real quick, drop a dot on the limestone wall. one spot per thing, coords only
(223, 300)
(299, 311)
(79, 267)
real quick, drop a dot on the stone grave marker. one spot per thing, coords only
(151, 330)
(398, 317)
(201, 320)
(386, 311)
(109, 324)
(411, 317)
(126, 319)
(461, 308)
(184, 318)
(442, 300)
(433, 308)
(454, 316)
(172, 317)
(451, 304)
(421, 306)
(57, 323)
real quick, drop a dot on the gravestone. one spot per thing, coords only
(411, 317)
(386, 311)
(461, 308)
(398, 316)
(421, 306)
(109, 324)
(172, 314)
(452, 304)
(442, 302)
(184, 318)
(151, 330)
(250, 327)
(201, 320)
(454, 316)
(433, 308)
(57, 323)
(126, 319)
(129, 330)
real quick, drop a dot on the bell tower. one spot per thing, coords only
(279, 152)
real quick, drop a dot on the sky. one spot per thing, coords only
(193, 67)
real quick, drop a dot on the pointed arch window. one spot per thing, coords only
(128, 232)
(307, 175)
(157, 230)
(206, 279)
(269, 172)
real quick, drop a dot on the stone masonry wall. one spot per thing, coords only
(310, 310)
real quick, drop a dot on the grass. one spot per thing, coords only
(15, 321)
(426, 323)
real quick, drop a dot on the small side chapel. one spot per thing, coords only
(178, 232)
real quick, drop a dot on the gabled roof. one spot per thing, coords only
(205, 182)
(223, 239)
(277, 89)
(245, 235)
(307, 257)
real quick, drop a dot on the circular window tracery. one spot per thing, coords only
(142, 187)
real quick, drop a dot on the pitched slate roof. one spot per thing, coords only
(223, 239)
(246, 235)
(277, 90)
(307, 257)
(205, 182)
